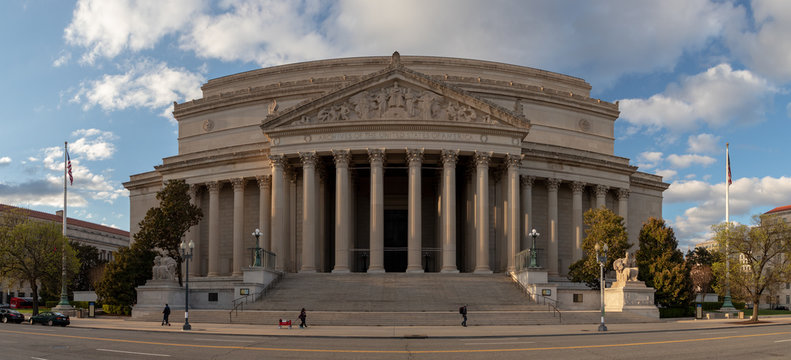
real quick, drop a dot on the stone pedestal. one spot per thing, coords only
(631, 296)
(156, 293)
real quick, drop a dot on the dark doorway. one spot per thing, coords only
(395, 254)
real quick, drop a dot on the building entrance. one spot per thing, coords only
(395, 238)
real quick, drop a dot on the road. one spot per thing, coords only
(55, 343)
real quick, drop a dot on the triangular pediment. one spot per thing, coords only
(396, 94)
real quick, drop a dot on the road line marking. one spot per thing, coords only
(228, 340)
(783, 340)
(343, 351)
(501, 343)
(132, 352)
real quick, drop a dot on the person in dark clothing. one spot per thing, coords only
(463, 312)
(302, 317)
(165, 314)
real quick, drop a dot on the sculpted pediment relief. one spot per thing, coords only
(396, 94)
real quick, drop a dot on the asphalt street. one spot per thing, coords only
(769, 341)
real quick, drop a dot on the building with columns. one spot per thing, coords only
(397, 164)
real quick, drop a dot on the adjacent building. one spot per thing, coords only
(397, 164)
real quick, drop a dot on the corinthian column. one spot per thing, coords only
(342, 194)
(513, 162)
(264, 210)
(482, 213)
(527, 209)
(238, 223)
(576, 218)
(552, 217)
(601, 196)
(279, 210)
(214, 228)
(377, 241)
(449, 158)
(415, 239)
(308, 213)
(623, 205)
(194, 234)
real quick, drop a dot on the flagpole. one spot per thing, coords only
(727, 305)
(64, 295)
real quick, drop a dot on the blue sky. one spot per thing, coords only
(690, 75)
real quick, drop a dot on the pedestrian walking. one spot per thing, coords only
(302, 317)
(165, 314)
(463, 312)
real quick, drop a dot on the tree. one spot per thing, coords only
(602, 227)
(89, 259)
(700, 256)
(760, 257)
(130, 268)
(165, 225)
(32, 251)
(661, 265)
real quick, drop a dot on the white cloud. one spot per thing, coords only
(5, 160)
(666, 174)
(86, 183)
(704, 143)
(93, 143)
(649, 159)
(716, 97)
(767, 47)
(748, 196)
(62, 59)
(147, 84)
(684, 161)
(106, 28)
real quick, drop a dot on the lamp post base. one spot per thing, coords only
(186, 327)
(602, 327)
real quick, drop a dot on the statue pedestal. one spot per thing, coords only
(156, 293)
(631, 296)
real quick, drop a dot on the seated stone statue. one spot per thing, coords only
(625, 269)
(164, 268)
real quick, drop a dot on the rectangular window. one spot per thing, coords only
(213, 296)
(788, 285)
(577, 298)
(21, 294)
(788, 299)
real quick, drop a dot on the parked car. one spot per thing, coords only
(50, 318)
(9, 315)
(780, 307)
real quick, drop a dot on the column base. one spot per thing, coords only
(376, 271)
(483, 271)
(340, 270)
(236, 273)
(415, 270)
(307, 270)
(449, 270)
(212, 274)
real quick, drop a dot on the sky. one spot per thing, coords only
(689, 75)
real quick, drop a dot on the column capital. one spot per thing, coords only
(238, 183)
(214, 186)
(577, 187)
(482, 158)
(513, 160)
(264, 181)
(341, 157)
(527, 180)
(277, 160)
(450, 157)
(601, 190)
(308, 159)
(376, 155)
(414, 157)
(623, 194)
(553, 184)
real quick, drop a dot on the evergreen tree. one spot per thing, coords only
(661, 265)
(602, 227)
(130, 268)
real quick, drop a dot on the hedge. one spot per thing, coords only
(676, 312)
(117, 309)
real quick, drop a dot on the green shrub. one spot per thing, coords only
(712, 306)
(676, 312)
(80, 304)
(51, 304)
(738, 305)
(117, 309)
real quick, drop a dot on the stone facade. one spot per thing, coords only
(414, 164)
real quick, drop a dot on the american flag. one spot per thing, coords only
(68, 168)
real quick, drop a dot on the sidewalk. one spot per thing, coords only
(421, 331)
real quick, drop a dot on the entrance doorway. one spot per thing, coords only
(395, 252)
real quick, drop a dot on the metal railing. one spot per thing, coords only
(262, 258)
(238, 303)
(526, 260)
(552, 305)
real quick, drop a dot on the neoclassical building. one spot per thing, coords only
(397, 164)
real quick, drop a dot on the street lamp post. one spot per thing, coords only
(257, 234)
(601, 258)
(534, 234)
(187, 256)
